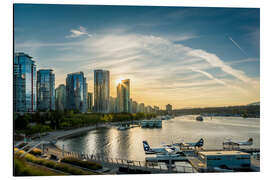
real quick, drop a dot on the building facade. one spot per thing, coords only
(123, 96)
(101, 91)
(134, 107)
(24, 83)
(45, 90)
(90, 101)
(76, 92)
(141, 108)
(113, 105)
(169, 108)
(60, 97)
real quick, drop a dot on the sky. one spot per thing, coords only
(184, 56)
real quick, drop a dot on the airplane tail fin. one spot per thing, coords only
(146, 146)
(200, 143)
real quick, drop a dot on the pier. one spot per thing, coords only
(115, 164)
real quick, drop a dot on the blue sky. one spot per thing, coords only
(189, 57)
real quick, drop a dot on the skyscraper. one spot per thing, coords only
(24, 83)
(101, 90)
(90, 101)
(76, 89)
(113, 105)
(123, 96)
(134, 107)
(141, 107)
(60, 94)
(45, 90)
(130, 105)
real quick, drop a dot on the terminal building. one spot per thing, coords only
(225, 159)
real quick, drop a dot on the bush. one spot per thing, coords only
(52, 164)
(84, 164)
(36, 152)
(21, 168)
(22, 145)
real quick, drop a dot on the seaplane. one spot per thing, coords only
(229, 142)
(165, 149)
(189, 145)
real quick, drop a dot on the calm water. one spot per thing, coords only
(127, 144)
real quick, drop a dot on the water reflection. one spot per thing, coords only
(127, 144)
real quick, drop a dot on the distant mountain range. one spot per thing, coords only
(254, 104)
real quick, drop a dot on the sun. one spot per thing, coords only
(119, 81)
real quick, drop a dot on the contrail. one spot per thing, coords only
(238, 46)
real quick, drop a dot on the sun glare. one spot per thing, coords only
(118, 81)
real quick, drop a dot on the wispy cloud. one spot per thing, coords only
(209, 76)
(215, 61)
(160, 70)
(79, 32)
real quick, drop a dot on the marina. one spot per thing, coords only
(171, 155)
(127, 144)
(115, 144)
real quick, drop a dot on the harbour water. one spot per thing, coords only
(127, 144)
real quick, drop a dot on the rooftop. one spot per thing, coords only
(76, 73)
(44, 70)
(22, 54)
(222, 153)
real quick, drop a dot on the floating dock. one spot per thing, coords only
(151, 124)
(162, 158)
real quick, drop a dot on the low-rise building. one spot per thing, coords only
(225, 159)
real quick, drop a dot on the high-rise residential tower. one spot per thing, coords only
(134, 107)
(123, 96)
(76, 90)
(24, 83)
(101, 90)
(45, 90)
(60, 96)
(141, 107)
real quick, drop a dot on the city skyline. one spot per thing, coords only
(170, 54)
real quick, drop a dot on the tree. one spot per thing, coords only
(22, 122)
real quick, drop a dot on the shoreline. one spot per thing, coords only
(62, 134)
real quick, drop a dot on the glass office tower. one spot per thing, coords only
(101, 90)
(90, 101)
(123, 96)
(76, 92)
(60, 96)
(45, 90)
(24, 83)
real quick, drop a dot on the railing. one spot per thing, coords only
(115, 162)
